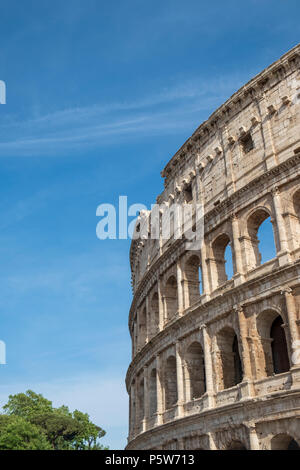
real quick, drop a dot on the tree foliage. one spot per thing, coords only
(30, 422)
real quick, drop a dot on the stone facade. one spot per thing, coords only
(219, 369)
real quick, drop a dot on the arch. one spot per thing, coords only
(171, 395)
(154, 307)
(193, 277)
(171, 297)
(259, 249)
(296, 202)
(195, 371)
(280, 355)
(229, 368)
(236, 445)
(274, 354)
(219, 272)
(152, 392)
(284, 442)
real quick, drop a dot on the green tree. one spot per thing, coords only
(61, 429)
(19, 434)
(87, 438)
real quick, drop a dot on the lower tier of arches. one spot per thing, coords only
(270, 423)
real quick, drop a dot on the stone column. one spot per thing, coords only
(137, 411)
(132, 411)
(160, 305)
(204, 268)
(146, 399)
(212, 442)
(159, 391)
(292, 323)
(280, 227)
(243, 330)
(148, 320)
(199, 199)
(135, 337)
(180, 385)
(179, 288)
(208, 365)
(244, 346)
(236, 246)
(253, 439)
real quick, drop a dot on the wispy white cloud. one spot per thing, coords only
(175, 107)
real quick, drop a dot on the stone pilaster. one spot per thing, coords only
(161, 312)
(253, 438)
(245, 351)
(180, 287)
(283, 254)
(146, 399)
(159, 391)
(237, 250)
(208, 365)
(293, 327)
(180, 384)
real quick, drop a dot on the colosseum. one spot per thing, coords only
(216, 356)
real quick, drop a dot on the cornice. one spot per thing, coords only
(251, 90)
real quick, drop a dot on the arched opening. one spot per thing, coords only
(261, 245)
(221, 273)
(152, 392)
(228, 262)
(280, 355)
(154, 314)
(230, 371)
(171, 297)
(236, 445)
(284, 442)
(195, 371)
(273, 357)
(142, 327)
(170, 382)
(193, 278)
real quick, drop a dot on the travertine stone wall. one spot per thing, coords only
(218, 367)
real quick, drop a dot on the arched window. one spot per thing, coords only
(152, 393)
(273, 357)
(220, 273)
(296, 202)
(284, 442)
(193, 278)
(195, 371)
(154, 314)
(230, 366)
(171, 297)
(279, 347)
(238, 371)
(170, 382)
(260, 246)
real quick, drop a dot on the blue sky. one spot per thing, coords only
(99, 97)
